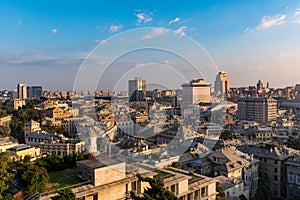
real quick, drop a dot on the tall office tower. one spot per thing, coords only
(259, 109)
(137, 89)
(34, 92)
(196, 91)
(222, 84)
(22, 91)
(259, 85)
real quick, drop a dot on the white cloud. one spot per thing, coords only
(139, 64)
(297, 16)
(100, 41)
(269, 21)
(53, 31)
(143, 17)
(248, 30)
(180, 31)
(101, 60)
(177, 19)
(297, 13)
(168, 62)
(115, 28)
(154, 32)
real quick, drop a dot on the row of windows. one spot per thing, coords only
(266, 160)
(292, 177)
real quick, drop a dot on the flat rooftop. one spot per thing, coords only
(98, 163)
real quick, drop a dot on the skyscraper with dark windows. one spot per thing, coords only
(137, 89)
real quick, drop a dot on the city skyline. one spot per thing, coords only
(44, 44)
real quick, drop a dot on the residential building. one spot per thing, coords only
(58, 113)
(239, 167)
(31, 127)
(195, 92)
(5, 121)
(18, 152)
(258, 109)
(264, 133)
(293, 177)
(6, 143)
(54, 144)
(17, 103)
(272, 164)
(50, 143)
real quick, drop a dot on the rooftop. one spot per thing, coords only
(19, 147)
(95, 163)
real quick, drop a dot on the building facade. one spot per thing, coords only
(258, 109)
(137, 89)
(293, 177)
(222, 84)
(196, 91)
(22, 91)
(272, 165)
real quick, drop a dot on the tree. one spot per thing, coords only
(5, 175)
(65, 194)
(221, 194)
(264, 191)
(34, 177)
(226, 135)
(155, 192)
(49, 127)
(27, 159)
(22, 116)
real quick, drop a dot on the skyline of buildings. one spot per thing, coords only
(105, 100)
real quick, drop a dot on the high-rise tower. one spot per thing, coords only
(137, 89)
(222, 84)
(22, 91)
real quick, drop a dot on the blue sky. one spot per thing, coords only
(44, 42)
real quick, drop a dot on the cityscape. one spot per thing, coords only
(152, 109)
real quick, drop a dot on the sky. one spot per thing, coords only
(46, 42)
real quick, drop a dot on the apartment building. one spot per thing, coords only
(258, 109)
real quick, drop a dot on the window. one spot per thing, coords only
(275, 178)
(275, 161)
(275, 170)
(204, 191)
(291, 177)
(265, 160)
(173, 188)
(95, 197)
(298, 179)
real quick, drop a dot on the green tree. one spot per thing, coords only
(20, 117)
(49, 127)
(3, 113)
(226, 135)
(5, 175)
(155, 192)
(34, 177)
(220, 194)
(27, 159)
(65, 194)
